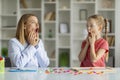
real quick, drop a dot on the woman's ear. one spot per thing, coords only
(24, 27)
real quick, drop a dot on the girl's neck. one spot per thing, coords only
(98, 37)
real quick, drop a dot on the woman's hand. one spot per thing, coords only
(33, 38)
(37, 37)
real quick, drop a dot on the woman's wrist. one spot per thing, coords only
(36, 46)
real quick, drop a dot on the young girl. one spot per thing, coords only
(94, 49)
(26, 49)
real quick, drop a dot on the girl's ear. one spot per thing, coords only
(100, 28)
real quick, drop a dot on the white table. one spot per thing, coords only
(58, 76)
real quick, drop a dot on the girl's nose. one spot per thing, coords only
(88, 28)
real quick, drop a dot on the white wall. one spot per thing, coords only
(117, 33)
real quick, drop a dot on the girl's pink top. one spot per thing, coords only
(99, 44)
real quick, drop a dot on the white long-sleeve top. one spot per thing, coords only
(27, 55)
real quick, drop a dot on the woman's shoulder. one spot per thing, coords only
(40, 41)
(15, 41)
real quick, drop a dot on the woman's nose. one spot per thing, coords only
(37, 25)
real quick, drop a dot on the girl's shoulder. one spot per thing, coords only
(101, 40)
(83, 43)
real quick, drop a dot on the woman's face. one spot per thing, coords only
(32, 25)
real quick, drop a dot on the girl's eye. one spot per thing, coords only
(32, 22)
(88, 25)
(91, 25)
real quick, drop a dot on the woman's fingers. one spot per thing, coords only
(33, 38)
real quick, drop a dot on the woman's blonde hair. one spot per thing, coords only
(20, 33)
(103, 23)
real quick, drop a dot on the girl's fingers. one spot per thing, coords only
(92, 34)
(89, 37)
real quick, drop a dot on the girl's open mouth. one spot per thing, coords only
(90, 34)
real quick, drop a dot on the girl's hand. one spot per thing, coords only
(87, 40)
(92, 38)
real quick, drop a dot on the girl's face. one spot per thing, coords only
(92, 27)
(31, 25)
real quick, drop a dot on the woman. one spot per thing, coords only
(26, 49)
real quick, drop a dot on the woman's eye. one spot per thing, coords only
(32, 23)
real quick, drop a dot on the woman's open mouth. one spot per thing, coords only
(37, 30)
